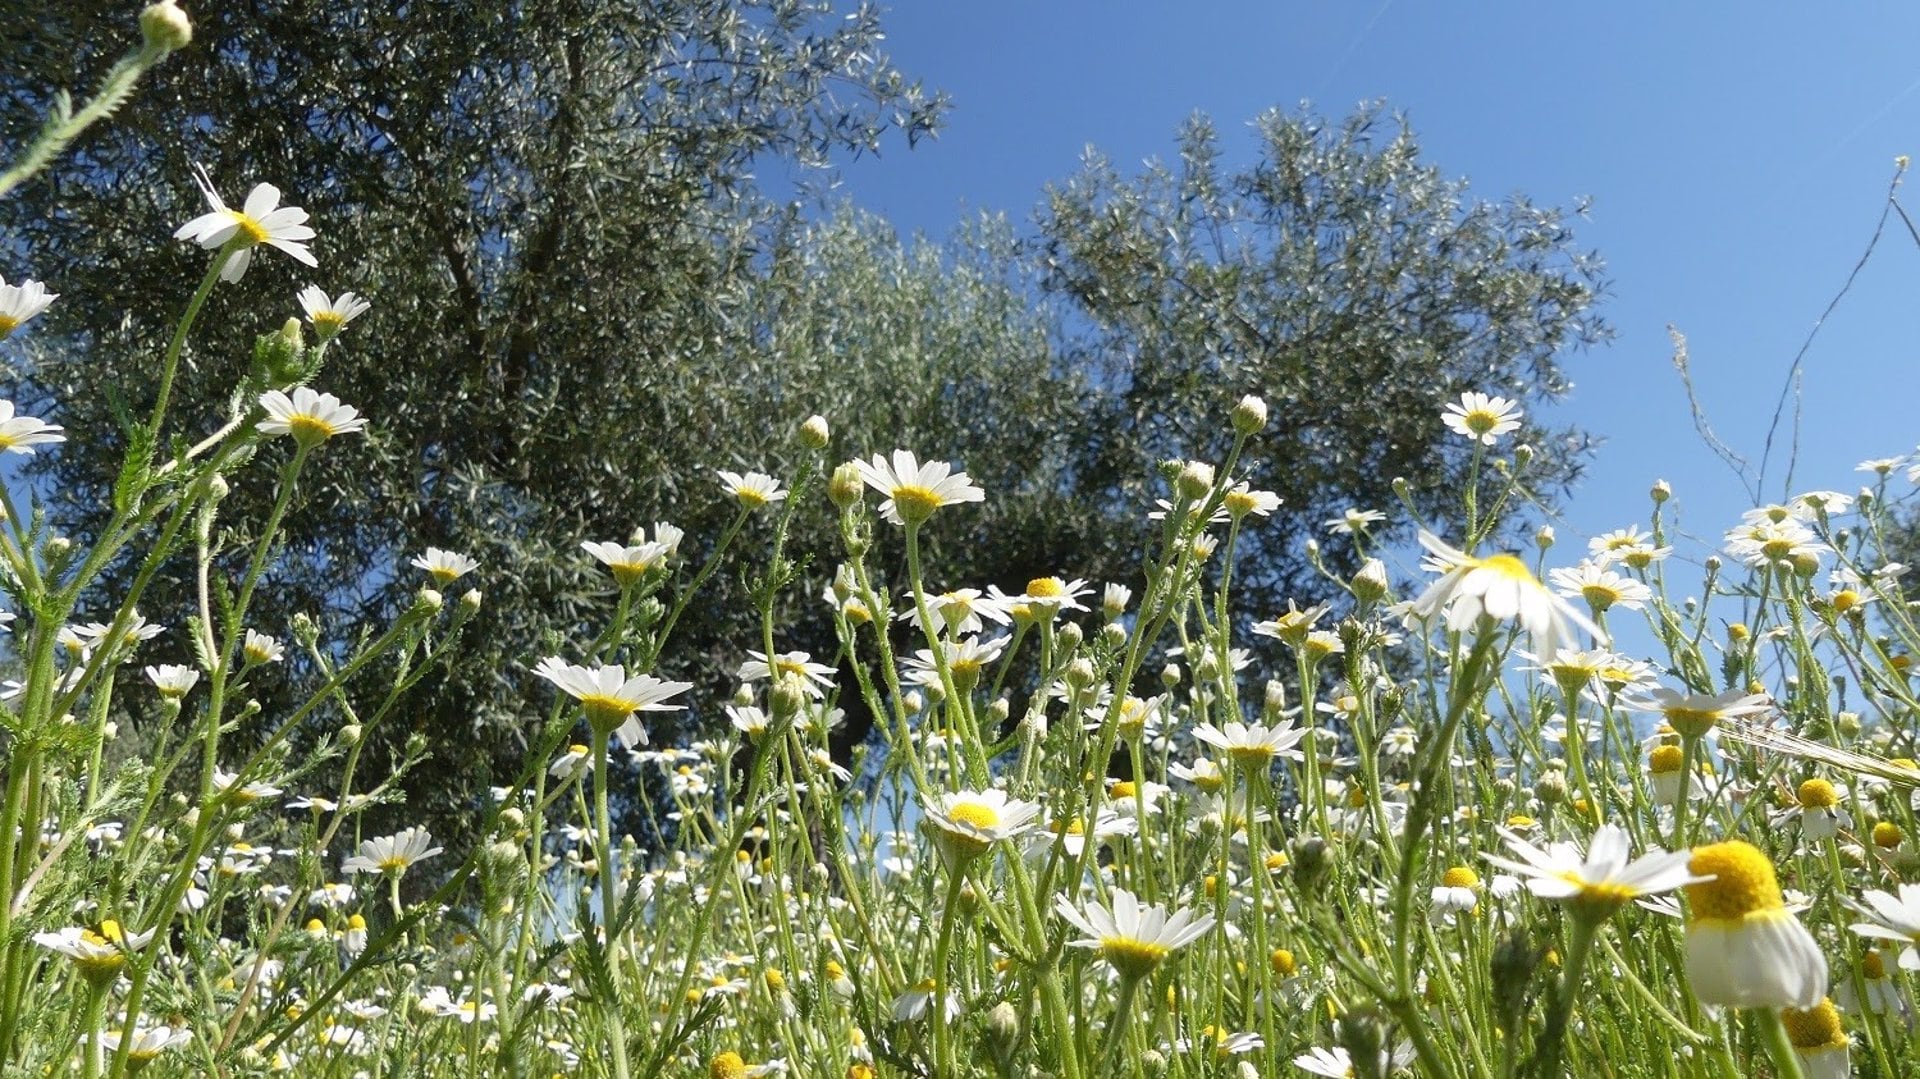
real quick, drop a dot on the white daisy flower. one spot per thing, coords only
(20, 434)
(966, 823)
(915, 490)
(1745, 949)
(445, 567)
(330, 316)
(260, 220)
(310, 417)
(753, 490)
(392, 854)
(610, 698)
(817, 678)
(628, 564)
(1133, 937)
(1502, 588)
(1600, 880)
(20, 303)
(1481, 418)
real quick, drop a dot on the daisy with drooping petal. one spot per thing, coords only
(260, 220)
(1602, 588)
(20, 434)
(965, 658)
(445, 567)
(1337, 1063)
(628, 564)
(1694, 714)
(99, 953)
(329, 317)
(173, 680)
(1502, 588)
(610, 698)
(1880, 994)
(816, 678)
(1744, 948)
(1896, 916)
(20, 303)
(1252, 748)
(1133, 937)
(753, 490)
(392, 854)
(1820, 809)
(1353, 521)
(966, 823)
(915, 490)
(1600, 881)
(310, 417)
(1481, 418)
(1818, 1041)
(148, 1043)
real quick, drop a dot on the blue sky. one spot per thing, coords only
(1737, 159)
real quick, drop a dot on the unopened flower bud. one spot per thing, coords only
(350, 734)
(1276, 695)
(1170, 675)
(470, 600)
(1523, 455)
(1080, 673)
(1370, 584)
(1551, 788)
(1070, 636)
(743, 696)
(815, 434)
(428, 601)
(1113, 635)
(998, 711)
(1196, 479)
(1249, 415)
(788, 697)
(164, 27)
(1543, 537)
(1661, 491)
(846, 485)
(914, 703)
(1310, 864)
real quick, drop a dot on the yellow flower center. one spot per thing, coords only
(1507, 565)
(975, 814)
(1872, 967)
(750, 497)
(1251, 756)
(727, 1066)
(8, 324)
(1846, 600)
(1276, 861)
(1459, 877)
(1818, 794)
(605, 713)
(1240, 503)
(1046, 588)
(1480, 420)
(1887, 834)
(254, 231)
(393, 863)
(1817, 1027)
(914, 502)
(1283, 962)
(1600, 595)
(776, 981)
(1692, 722)
(1356, 797)
(1520, 820)
(1743, 882)
(1122, 789)
(1665, 760)
(1131, 957)
(356, 922)
(327, 323)
(309, 429)
(1776, 549)
(835, 971)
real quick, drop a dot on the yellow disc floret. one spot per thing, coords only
(1888, 835)
(1743, 882)
(1665, 760)
(1460, 877)
(727, 1065)
(1818, 794)
(1283, 962)
(1817, 1027)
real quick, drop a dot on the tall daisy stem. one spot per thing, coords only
(603, 836)
(1773, 1033)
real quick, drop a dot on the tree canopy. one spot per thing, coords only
(585, 302)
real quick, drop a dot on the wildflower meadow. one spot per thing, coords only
(1440, 827)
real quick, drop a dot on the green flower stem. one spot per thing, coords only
(609, 873)
(943, 1063)
(1579, 946)
(1773, 1034)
